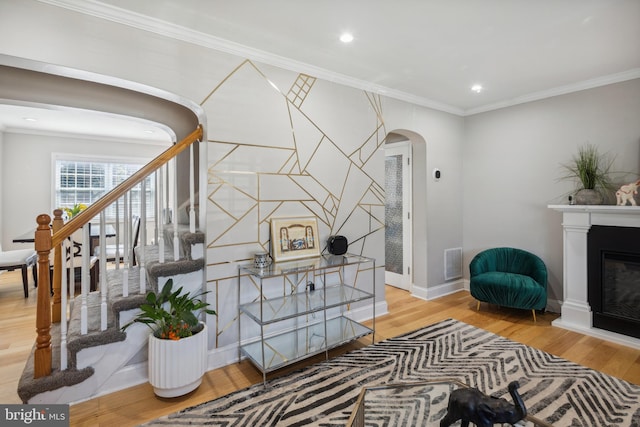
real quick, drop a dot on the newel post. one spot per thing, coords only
(42, 356)
(58, 222)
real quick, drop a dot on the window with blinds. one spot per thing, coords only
(85, 181)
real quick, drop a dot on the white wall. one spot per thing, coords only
(244, 109)
(438, 223)
(499, 169)
(26, 184)
(512, 160)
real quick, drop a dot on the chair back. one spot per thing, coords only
(136, 236)
(76, 244)
(509, 260)
(73, 251)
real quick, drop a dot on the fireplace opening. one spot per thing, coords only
(614, 278)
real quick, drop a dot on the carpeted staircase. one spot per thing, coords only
(94, 358)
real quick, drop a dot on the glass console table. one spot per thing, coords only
(300, 308)
(411, 404)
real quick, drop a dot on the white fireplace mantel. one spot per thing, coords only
(576, 221)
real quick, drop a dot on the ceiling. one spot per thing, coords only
(426, 51)
(52, 120)
(429, 52)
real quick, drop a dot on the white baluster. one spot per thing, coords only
(165, 213)
(192, 183)
(84, 279)
(156, 208)
(65, 274)
(203, 177)
(126, 245)
(176, 240)
(143, 235)
(117, 227)
(63, 309)
(103, 273)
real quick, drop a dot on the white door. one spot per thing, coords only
(398, 215)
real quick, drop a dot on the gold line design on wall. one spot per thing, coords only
(274, 164)
(300, 89)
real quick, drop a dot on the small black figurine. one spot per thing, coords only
(471, 405)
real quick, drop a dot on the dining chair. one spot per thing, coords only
(112, 249)
(20, 259)
(74, 261)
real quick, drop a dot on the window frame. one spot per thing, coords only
(56, 188)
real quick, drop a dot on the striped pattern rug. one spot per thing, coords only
(555, 390)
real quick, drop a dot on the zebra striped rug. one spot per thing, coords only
(555, 390)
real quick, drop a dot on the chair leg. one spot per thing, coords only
(478, 306)
(25, 281)
(533, 311)
(34, 270)
(93, 277)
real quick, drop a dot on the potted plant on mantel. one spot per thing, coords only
(591, 171)
(178, 342)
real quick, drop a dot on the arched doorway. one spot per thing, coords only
(397, 210)
(68, 99)
(413, 237)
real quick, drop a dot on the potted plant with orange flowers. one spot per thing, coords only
(178, 342)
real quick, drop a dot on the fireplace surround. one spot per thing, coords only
(577, 314)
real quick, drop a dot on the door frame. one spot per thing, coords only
(404, 281)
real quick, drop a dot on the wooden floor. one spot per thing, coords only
(138, 404)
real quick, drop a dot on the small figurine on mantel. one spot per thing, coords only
(626, 192)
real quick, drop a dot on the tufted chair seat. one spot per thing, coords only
(20, 259)
(509, 277)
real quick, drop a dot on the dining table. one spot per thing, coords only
(94, 235)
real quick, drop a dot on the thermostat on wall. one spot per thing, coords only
(437, 174)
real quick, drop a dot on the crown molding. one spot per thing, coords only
(83, 136)
(561, 90)
(167, 29)
(133, 19)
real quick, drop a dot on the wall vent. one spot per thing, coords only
(452, 263)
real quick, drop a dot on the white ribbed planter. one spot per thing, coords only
(177, 367)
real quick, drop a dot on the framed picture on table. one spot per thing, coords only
(294, 238)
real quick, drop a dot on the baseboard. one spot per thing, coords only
(554, 305)
(438, 291)
(135, 374)
(223, 356)
(365, 313)
(598, 333)
(128, 376)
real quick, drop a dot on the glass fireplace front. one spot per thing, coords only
(614, 278)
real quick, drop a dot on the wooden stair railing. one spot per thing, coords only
(48, 236)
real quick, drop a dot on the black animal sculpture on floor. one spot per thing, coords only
(471, 405)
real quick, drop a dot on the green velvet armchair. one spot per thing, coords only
(509, 277)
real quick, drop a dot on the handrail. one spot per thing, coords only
(45, 241)
(95, 208)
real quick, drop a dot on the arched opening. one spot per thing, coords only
(69, 102)
(415, 256)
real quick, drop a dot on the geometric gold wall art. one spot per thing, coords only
(302, 147)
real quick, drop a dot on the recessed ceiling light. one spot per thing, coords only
(476, 88)
(346, 37)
